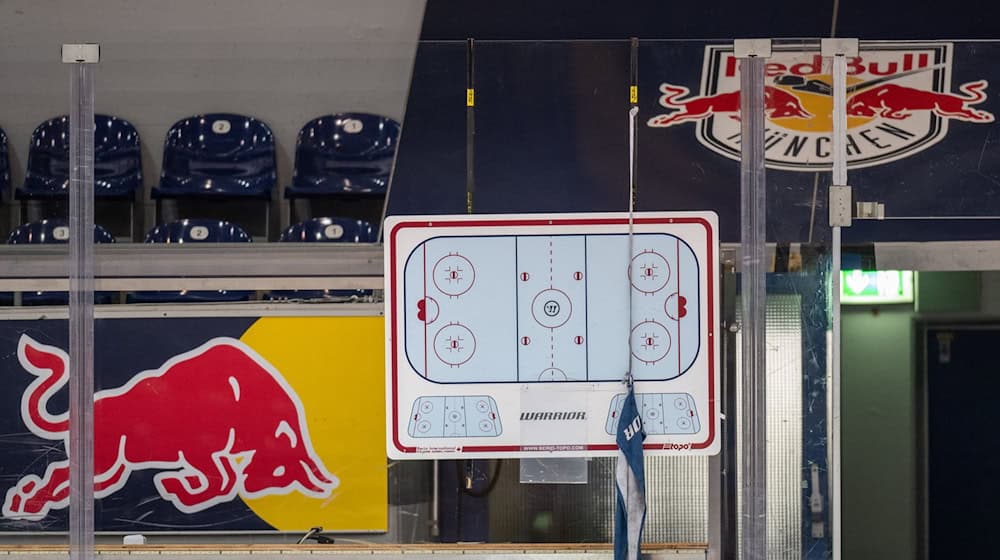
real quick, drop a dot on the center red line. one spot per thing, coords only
(551, 282)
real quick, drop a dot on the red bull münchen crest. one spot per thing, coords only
(900, 99)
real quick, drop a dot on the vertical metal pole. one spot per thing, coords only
(81, 304)
(840, 216)
(436, 502)
(839, 178)
(722, 514)
(470, 125)
(633, 138)
(633, 103)
(753, 203)
(730, 461)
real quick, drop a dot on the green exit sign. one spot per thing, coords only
(876, 286)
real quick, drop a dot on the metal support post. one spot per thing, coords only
(753, 215)
(839, 50)
(81, 298)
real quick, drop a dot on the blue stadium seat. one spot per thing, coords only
(51, 231)
(330, 230)
(218, 155)
(194, 231)
(117, 159)
(198, 231)
(48, 232)
(326, 230)
(4, 163)
(344, 154)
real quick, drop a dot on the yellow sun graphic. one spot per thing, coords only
(335, 365)
(820, 106)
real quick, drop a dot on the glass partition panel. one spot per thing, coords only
(924, 149)
(35, 103)
(233, 386)
(242, 154)
(938, 215)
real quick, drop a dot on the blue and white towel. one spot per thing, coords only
(630, 514)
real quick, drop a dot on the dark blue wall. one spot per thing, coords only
(664, 19)
(552, 136)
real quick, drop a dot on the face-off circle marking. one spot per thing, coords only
(454, 275)
(650, 342)
(454, 344)
(552, 374)
(649, 272)
(551, 308)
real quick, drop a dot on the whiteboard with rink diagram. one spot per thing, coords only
(510, 335)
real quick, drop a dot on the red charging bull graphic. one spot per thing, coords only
(777, 104)
(891, 101)
(216, 422)
(899, 102)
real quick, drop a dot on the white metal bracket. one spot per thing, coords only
(869, 211)
(748, 48)
(840, 206)
(84, 53)
(815, 503)
(839, 47)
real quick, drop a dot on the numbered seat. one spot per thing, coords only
(326, 230)
(4, 163)
(49, 232)
(194, 231)
(117, 160)
(344, 154)
(330, 230)
(198, 231)
(218, 155)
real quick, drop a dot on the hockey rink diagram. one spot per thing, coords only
(511, 335)
(551, 308)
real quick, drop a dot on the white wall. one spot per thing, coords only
(283, 61)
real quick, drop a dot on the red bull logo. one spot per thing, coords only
(216, 423)
(899, 102)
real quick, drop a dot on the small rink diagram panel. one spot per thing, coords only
(510, 335)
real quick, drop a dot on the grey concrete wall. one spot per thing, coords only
(283, 61)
